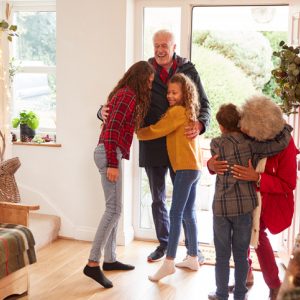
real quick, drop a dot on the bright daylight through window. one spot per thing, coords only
(32, 67)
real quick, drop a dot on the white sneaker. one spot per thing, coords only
(201, 258)
(190, 262)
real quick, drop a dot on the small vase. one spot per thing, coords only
(26, 133)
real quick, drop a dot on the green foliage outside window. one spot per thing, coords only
(35, 49)
(232, 67)
(250, 51)
(37, 37)
(223, 81)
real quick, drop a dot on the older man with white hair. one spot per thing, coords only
(153, 154)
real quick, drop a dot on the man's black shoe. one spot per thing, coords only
(158, 254)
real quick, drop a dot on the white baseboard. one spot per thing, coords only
(84, 233)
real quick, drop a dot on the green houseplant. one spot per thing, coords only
(287, 77)
(28, 121)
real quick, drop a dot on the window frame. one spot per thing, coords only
(32, 6)
(185, 51)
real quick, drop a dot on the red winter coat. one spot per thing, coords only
(277, 184)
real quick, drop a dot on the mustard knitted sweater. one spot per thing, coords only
(184, 153)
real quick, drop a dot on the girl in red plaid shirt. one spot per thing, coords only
(128, 104)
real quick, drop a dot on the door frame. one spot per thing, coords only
(287, 238)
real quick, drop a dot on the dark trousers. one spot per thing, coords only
(157, 183)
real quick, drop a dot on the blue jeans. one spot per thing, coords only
(183, 208)
(106, 234)
(232, 233)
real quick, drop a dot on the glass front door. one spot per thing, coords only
(232, 48)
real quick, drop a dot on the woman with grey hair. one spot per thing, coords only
(262, 120)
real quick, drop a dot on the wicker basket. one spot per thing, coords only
(9, 191)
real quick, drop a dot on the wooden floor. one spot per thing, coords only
(58, 275)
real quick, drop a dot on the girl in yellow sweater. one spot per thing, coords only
(186, 161)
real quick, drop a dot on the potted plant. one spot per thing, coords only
(28, 121)
(287, 77)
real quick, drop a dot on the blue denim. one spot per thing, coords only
(183, 208)
(232, 233)
(105, 237)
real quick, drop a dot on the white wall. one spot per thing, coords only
(91, 57)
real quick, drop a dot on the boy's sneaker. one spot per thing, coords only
(158, 254)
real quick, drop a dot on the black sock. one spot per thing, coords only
(96, 274)
(117, 266)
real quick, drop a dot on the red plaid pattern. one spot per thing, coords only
(119, 127)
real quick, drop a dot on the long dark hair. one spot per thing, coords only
(137, 79)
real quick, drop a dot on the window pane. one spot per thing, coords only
(37, 38)
(232, 49)
(36, 92)
(34, 84)
(156, 18)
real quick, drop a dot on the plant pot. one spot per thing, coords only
(26, 133)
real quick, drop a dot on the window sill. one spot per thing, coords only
(37, 144)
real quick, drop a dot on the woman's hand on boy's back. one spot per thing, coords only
(245, 173)
(112, 174)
